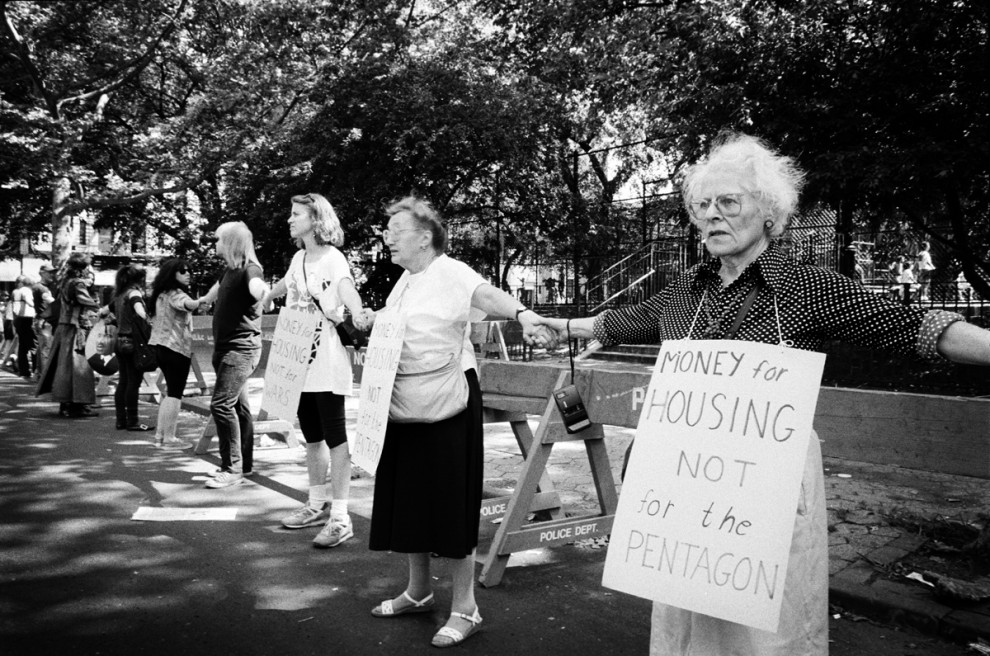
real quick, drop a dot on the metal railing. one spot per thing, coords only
(638, 276)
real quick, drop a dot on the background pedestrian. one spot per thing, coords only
(171, 335)
(67, 374)
(131, 315)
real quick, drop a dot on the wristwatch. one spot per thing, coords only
(520, 311)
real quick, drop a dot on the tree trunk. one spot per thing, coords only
(61, 222)
(843, 240)
(974, 267)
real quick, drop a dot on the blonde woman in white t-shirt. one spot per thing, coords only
(319, 280)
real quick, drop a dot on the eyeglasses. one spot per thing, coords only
(728, 206)
(182, 270)
(386, 233)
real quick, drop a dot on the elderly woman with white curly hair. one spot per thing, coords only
(742, 197)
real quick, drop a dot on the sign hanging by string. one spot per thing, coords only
(378, 375)
(706, 512)
(288, 361)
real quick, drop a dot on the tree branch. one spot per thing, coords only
(24, 54)
(135, 66)
(73, 208)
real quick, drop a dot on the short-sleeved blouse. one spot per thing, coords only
(330, 370)
(813, 305)
(436, 305)
(172, 325)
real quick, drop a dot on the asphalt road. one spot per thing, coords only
(79, 576)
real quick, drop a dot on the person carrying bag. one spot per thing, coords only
(132, 350)
(434, 432)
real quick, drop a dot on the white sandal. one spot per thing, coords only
(448, 637)
(386, 609)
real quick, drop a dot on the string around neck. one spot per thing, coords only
(570, 350)
(743, 311)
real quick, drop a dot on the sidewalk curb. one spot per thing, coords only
(861, 588)
(907, 605)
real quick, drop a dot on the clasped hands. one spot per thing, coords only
(364, 320)
(538, 330)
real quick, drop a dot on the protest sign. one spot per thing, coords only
(707, 508)
(381, 359)
(288, 361)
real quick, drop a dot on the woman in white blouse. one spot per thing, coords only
(428, 484)
(319, 281)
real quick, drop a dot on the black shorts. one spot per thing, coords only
(321, 418)
(175, 366)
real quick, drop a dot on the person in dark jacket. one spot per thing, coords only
(44, 295)
(128, 307)
(67, 375)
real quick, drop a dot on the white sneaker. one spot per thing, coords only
(334, 533)
(225, 479)
(174, 443)
(306, 516)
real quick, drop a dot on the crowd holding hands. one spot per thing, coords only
(428, 484)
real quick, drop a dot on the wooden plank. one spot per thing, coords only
(555, 533)
(557, 433)
(532, 471)
(525, 440)
(532, 405)
(496, 507)
(601, 473)
(198, 373)
(517, 378)
(919, 431)
(494, 415)
(278, 427)
(935, 433)
(198, 404)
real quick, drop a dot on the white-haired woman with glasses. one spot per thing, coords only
(741, 197)
(319, 281)
(236, 350)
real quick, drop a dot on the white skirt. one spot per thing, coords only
(803, 629)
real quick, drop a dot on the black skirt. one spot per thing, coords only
(428, 484)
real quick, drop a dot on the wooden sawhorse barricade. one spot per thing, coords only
(152, 385)
(614, 393)
(262, 424)
(510, 393)
(203, 345)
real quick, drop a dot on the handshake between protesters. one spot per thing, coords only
(537, 330)
(548, 332)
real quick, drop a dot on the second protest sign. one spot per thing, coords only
(288, 361)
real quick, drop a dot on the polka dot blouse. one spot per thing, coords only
(814, 305)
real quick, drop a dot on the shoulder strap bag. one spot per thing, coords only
(349, 334)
